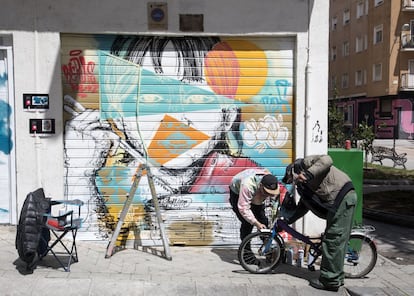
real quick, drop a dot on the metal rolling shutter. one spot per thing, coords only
(204, 108)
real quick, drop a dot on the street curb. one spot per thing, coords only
(388, 182)
(401, 220)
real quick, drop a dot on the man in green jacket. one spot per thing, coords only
(328, 192)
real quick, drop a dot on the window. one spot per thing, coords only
(378, 2)
(378, 34)
(365, 42)
(345, 49)
(346, 17)
(358, 77)
(333, 53)
(359, 43)
(349, 114)
(333, 82)
(385, 107)
(377, 72)
(345, 80)
(334, 23)
(360, 9)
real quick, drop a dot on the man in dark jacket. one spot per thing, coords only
(328, 192)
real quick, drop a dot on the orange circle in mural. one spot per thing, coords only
(236, 69)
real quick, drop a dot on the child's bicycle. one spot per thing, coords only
(262, 251)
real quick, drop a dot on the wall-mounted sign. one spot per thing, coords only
(35, 101)
(157, 16)
(42, 126)
(191, 22)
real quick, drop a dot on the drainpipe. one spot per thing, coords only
(308, 71)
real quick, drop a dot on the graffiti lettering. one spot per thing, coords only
(279, 102)
(317, 133)
(79, 73)
(175, 202)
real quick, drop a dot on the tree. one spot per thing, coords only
(365, 136)
(336, 130)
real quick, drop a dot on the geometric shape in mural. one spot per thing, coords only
(172, 139)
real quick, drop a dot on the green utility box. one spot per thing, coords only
(351, 162)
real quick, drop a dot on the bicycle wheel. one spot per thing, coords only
(259, 252)
(360, 257)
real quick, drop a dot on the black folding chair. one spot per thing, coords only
(64, 228)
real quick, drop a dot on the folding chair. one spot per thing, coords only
(36, 222)
(60, 226)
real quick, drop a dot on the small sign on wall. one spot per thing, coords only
(191, 22)
(35, 102)
(157, 16)
(42, 126)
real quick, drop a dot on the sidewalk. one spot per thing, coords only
(192, 271)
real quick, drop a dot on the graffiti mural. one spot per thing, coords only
(6, 143)
(197, 110)
(406, 116)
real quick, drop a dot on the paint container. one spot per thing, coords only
(347, 144)
(289, 256)
(310, 259)
(301, 254)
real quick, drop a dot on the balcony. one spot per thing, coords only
(407, 5)
(407, 42)
(407, 82)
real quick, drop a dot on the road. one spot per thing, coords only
(394, 242)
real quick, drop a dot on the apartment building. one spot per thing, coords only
(371, 64)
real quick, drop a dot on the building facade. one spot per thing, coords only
(371, 64)
(196, 90)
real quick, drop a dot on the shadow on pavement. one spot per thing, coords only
(229, 255)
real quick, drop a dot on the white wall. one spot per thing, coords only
(36, 26)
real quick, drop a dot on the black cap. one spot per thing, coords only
(270, 184)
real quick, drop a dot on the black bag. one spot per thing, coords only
(288, 206)
(30, 228)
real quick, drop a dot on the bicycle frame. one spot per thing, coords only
(280, 225)
(360, 257)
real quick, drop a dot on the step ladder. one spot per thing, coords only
(137, 178)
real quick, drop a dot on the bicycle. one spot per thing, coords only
(262, 251)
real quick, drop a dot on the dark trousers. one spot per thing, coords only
(258, 211)
(335, 241)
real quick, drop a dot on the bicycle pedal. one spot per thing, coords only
(311, 268)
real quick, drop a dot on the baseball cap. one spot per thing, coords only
(270, 184)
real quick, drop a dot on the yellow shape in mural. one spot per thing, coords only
(236, 69)
(172, 139)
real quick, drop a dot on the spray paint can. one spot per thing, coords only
(301, 254)
(289, 256)
(310, 259)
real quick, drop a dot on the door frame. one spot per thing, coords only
(12, 164)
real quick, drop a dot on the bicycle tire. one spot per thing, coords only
(252, 254)
(361, 256)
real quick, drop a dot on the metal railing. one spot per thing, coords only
(407, 41)
(407, 4)
(407, 81)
